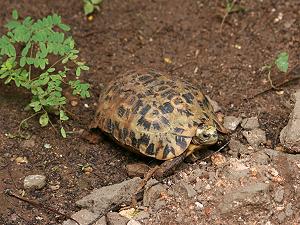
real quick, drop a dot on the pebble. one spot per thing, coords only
(289, 210)
(34, 182)
(290, 134)
(187, 189)
(153, 193)
(114, 218)
(279, 194)
(133, 222)
(255, 137)
(137, 169)
(218, 159)
(231, 122)
(199, 206)
(21, 160)
(83, 217)
(250, 123)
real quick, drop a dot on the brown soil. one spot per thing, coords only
(137, 33)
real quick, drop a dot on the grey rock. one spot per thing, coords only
(260, 157)
(281, 217)
(160, 203)
(34, 181)
(83, 217)
(114, 218)
(214, 104)
(236, 169)
(245, 195)
(101, 221)
(279, 194)
(236, 148)
(290, 134)
(289, 210)
(231, 122)
(104, 198)
(186, 189)
(255, 137)
(250, 123)
(152, 193)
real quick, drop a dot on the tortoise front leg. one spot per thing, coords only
(169, 166)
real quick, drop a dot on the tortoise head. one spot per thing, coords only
(205, 135)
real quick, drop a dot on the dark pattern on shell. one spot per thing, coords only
(152, 114)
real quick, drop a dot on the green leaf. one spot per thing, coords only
(64, 27)
(25, 50)
(88, 8)
(50, 70)
(15, 15)
(96, 2)
(282, 61)
(44, 119)
(63, 132)
(62, 115)
(84, 67)
(22, 61)
(78, 71)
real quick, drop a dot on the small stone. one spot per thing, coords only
(101, 221)
(34, 182)
(48, 146)
(137, 169)
(83, 217)
(133, 222)
(74, 103)
(187, 189)
(279, 194)
(281, 217)
(199, 206)
(255, 137)
(218, 159)
(54, 187)
(214, 104)
(86, 105)
(231, 122)
(128, 213)
(28, 143)
(21, 160)
(114, 218)
(289, 210)
(153, 193)
(237, 148)
(273, 172)
(250, 123)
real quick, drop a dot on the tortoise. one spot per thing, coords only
(151, 114)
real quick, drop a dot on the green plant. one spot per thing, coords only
(37, 55)
(282, 64)
(90, 6)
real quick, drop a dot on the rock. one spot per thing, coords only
(243, 196)
(28, 143)
(104, 198)
(281, 217)
(231, 122)
(261, 157)
(214, 104)
(137, 169)
(255, 137)
(250, 123)
(21, 160)
(135, 214)
(199, 206)
(159, 204)
(237, 148)
(114, 218)
(218, 159)
(236, 169)
(186, 189)
(83, 217)
(34, 182)
(289, 210)
(101, 221)
(151, 194)
(290, 134)
(133, 222)
(279, 194)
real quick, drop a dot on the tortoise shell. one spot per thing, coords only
(152, 114)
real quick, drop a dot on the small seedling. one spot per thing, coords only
(36, 55)
(90, 6)
(282, 64)
(231, 7)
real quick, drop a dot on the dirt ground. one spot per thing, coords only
(225, 61)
